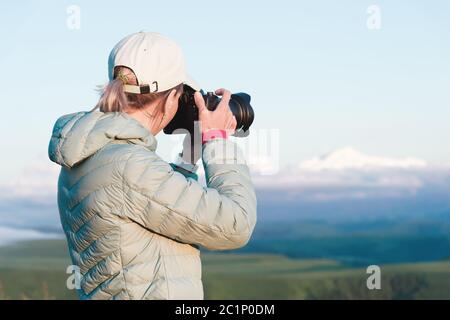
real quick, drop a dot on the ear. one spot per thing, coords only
(170, 107)
(170, 101)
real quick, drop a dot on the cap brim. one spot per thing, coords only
(192, 83)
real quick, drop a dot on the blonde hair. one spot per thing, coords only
(113, 98)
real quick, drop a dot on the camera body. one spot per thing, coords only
(187, 113)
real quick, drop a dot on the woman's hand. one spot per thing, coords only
(220, 119)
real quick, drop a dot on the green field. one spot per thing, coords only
(36, 270)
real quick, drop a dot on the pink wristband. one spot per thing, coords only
(213, 134)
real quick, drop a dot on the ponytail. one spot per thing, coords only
(113, 98)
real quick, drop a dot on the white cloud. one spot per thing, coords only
(10, 235)
(342, 173)
(263, 165)
(348, 158)
(312, 179)
(36, 182)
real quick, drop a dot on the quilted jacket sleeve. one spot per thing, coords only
(219, 217)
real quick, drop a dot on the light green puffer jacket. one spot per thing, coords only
(133, 225)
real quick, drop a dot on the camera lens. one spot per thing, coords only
(242, 110)
(239, 106)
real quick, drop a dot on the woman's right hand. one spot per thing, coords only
(221, 118)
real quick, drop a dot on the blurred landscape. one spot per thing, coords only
(36, 270)
(320, 225)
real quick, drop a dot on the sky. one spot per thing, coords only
(317, 74)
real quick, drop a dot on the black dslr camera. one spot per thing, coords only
(187, 113)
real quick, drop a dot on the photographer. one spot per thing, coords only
(133, 223)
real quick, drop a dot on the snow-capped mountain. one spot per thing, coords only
(350, 174)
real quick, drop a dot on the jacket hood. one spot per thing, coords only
(78, 136)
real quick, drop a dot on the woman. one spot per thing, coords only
(132, 223)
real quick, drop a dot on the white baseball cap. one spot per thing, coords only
(157, 62)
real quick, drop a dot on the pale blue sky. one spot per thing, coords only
(313, 68)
